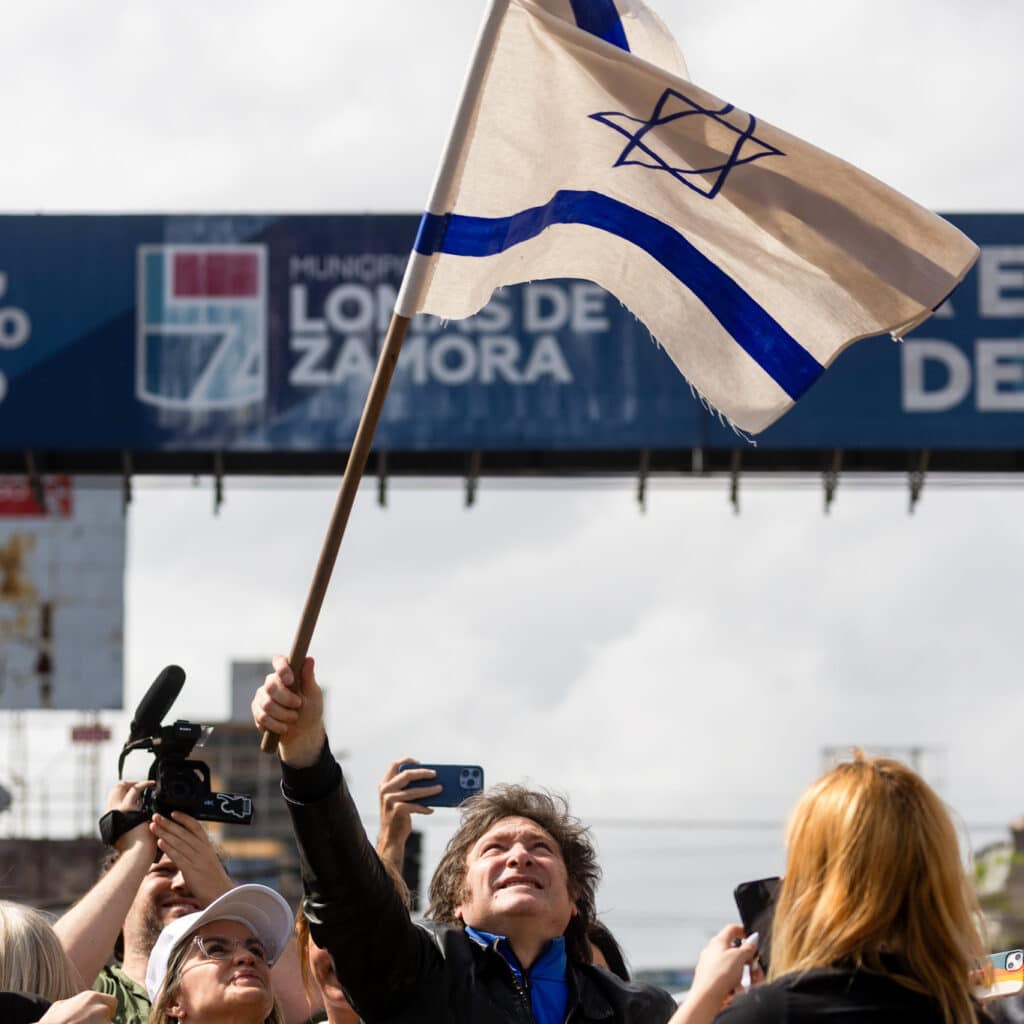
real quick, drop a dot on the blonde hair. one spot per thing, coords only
(33, 959)
(874, 868)
(169, 989)
(302, 942)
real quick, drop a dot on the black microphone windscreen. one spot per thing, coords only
(157, 702)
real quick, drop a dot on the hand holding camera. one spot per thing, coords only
(185, 841)
(176, 782)
(126, 798)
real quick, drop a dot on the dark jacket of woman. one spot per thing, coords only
(834, 995)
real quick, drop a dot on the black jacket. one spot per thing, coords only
(19, 1008)
(400, 973)
(835, 995)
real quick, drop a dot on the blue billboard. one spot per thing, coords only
(260, 334)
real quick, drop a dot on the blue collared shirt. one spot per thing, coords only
(545, 981)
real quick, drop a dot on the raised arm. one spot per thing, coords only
(396, 792)
(718, 975)
(90, 928)
(354, 910)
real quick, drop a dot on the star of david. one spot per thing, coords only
(743, 145)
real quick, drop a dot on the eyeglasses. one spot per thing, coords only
(217, 947)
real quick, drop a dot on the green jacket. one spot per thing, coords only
(132, 999)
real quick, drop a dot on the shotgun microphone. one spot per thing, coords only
(156, 703)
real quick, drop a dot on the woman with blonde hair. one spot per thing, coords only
(213, 967)
(33, 960)
(37, 980)
(876, 920)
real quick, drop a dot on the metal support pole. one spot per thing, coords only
(641, 480)
(35, 481)
(218, 481)
(382, 479)
(473, 476)
(126, 481)
(734, 480)
(830, 478)
(916, 479)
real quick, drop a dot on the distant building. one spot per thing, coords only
(48, 873)
(246, 678)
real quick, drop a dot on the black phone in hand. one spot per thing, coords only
(756, 903)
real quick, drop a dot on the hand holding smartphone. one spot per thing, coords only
(1004, 975)
(756, 903)
(458, 782)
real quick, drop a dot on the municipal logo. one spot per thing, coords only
(698, 146)
(201, 342)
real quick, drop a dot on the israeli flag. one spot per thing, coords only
(580, 149)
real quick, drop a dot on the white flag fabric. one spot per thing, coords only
(628, 24)
(753, 257)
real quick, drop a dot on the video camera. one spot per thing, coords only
(181, 784)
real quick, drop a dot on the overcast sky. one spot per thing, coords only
(685, 663)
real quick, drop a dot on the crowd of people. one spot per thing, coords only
(875, 919)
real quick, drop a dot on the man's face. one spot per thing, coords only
(515, 876)
(163, 896)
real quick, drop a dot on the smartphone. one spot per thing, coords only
(1005, 976)
(756, 904)
(460, 782)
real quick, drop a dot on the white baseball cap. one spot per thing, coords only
(261, 909)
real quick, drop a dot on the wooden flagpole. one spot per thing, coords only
(413, 284)
(357, 457)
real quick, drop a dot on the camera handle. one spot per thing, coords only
(115, 824)
(143, 744)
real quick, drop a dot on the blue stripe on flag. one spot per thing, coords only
(779, 354)
(600, 18)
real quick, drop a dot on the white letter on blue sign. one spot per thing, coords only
(1001, 272)
(455, 370)
(999, 365)
(498, 357)
(958, 370)
(588, 313)
(547, 360)
(545, 308)
(301, 323)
